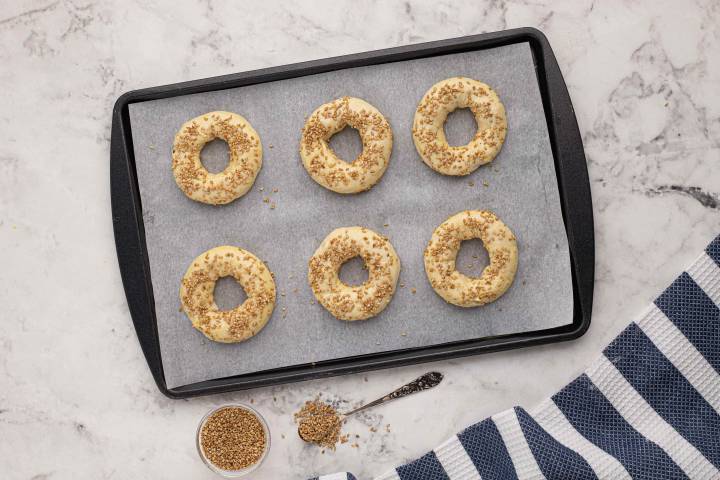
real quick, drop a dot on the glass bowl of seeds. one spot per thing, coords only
(233, 440)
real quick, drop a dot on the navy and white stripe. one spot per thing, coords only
(648, 408)
(336, 476)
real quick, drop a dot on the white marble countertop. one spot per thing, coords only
(76, 397)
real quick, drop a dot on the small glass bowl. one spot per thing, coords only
(233, 473)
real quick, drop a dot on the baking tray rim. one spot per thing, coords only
(570, 168)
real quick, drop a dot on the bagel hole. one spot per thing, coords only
(228, 293)
(472, 258)
(353, 272)
(346, 144)
(215, 156)
(460, 127)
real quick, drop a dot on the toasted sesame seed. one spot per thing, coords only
(233, 438)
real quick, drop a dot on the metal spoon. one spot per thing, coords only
(424, 382)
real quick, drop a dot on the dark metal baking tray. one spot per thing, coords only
(570, 167)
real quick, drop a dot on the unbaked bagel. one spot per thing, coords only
(360, 302)
(242, 168)
(321, 162)
(442, 251)
(198, 300)
(428, 126)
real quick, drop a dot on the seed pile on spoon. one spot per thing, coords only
(319, 423)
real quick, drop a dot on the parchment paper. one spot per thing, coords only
(519, 186)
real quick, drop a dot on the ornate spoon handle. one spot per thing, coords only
(429, 380)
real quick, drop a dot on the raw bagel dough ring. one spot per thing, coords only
(428, 125)
(243, 166)
(325, 167)
(198, 301)
(360, 302)
(442, 251)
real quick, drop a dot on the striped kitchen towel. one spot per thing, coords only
(649, 408)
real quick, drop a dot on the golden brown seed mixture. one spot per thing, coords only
(319, 423)
(233, 439)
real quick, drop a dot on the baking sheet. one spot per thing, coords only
(520, 186)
